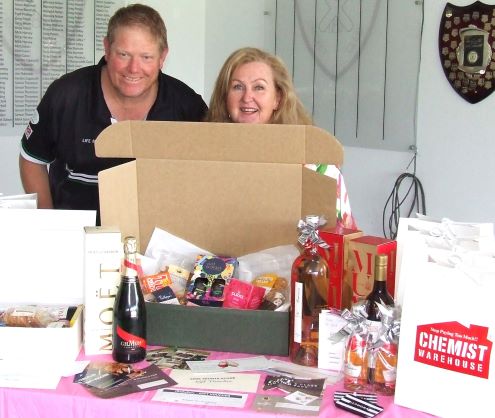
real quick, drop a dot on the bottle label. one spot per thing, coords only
(132, 269)
(352, 370)
(374, 328)
(390, 375)
(130, 341)
(298, 311)
(24, 311)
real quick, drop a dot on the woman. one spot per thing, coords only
(254, 86)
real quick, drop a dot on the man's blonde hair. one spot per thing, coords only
(139, 15)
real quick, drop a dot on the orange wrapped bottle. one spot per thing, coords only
(309, 290)
(356, 362)
(385, 369)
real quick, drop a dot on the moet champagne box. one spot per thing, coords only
(359, 277)
(336, 256)
(102, 261)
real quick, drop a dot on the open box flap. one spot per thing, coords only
(297, 144)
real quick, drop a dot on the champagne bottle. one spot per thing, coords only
(309, 289)
(129, 312)
(379, 294)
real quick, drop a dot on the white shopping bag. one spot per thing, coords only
(446, 365)
(415, 236)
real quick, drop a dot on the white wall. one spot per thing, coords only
(455, 138)
(185, 21)
(370, 175)
(455, 148)
(230, 25)
(10, 182)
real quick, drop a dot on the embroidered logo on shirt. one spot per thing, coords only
(28, 131)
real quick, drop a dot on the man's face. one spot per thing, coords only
(133, 61)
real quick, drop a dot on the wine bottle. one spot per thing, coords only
(379, 294)
(129, 312)
(309, 289)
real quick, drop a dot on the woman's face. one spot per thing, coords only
(252, 96)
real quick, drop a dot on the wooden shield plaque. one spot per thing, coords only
(466, 42)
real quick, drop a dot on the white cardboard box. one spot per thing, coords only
(42, 252)
(102, 261)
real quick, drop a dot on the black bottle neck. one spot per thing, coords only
(380, 286)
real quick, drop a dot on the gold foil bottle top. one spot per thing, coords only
(130, 255)
(381, 262)
(130, 245)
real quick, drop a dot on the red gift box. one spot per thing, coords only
(359, 277)
(336, 256)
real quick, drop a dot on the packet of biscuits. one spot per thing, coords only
(29, 316)
(276, 292)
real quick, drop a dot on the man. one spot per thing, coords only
(127, 84)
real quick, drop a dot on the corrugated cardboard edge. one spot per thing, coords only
(125, 177)
(298, 144)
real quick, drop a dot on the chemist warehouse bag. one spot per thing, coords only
(446, 360)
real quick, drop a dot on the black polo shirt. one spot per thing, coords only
(71, 115)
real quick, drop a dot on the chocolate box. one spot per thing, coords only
(231, 189)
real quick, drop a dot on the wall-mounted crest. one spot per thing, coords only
(466, 43)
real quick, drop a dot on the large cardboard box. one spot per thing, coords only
(42, 252)
(229, 188)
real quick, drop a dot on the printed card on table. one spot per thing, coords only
(201, 397)
(241, 382)
(282, 405)
(230, 365)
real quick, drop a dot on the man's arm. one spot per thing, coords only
(34, 179)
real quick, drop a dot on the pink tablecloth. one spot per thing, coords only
(72, 400)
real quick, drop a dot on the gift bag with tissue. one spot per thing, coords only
(445, 364)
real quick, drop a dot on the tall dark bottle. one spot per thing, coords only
(378, 294)
(129, 312)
